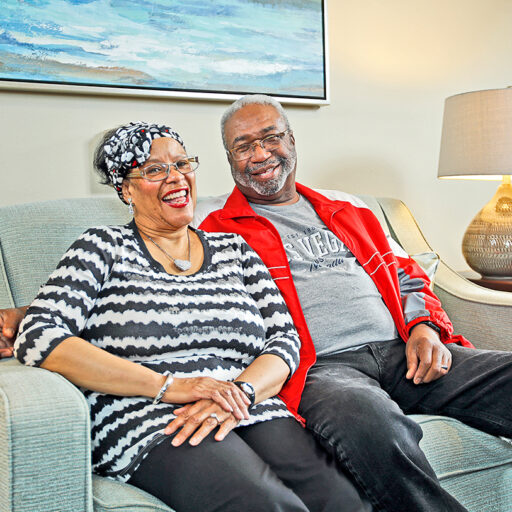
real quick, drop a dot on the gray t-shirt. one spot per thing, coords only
(342, 306)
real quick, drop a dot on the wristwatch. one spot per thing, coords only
(248, 389)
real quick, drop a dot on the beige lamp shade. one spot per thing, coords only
(476, 142)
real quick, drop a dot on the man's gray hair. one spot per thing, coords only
(250, 99)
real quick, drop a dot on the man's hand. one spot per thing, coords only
(427, 358)
(198, 420)
(10, 320)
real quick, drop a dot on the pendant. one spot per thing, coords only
(183, 265)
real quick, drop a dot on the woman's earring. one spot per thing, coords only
(130, 206)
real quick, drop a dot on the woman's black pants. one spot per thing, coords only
(275, 465)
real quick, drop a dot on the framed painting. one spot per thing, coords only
(212, 49)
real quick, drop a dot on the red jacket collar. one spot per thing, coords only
(237, 205)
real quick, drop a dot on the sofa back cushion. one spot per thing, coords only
(34, 236)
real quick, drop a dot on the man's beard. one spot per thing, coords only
(268, 187)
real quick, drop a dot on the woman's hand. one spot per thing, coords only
(198, 420)
(228, 396)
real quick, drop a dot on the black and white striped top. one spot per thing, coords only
(108, 290)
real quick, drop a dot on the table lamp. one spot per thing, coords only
(476, 143)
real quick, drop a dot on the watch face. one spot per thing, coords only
(247, 388)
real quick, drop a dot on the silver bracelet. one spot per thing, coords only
(168, 381)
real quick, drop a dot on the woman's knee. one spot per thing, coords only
(269, 496)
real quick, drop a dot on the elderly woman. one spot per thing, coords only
(175, 334)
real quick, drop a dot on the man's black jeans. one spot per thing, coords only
(356, 404)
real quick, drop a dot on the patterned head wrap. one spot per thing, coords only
(129, 147)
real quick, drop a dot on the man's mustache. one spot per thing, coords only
(256, 167)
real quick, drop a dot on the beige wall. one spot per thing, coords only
(392, 65)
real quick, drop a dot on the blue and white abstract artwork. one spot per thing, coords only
(204, 46)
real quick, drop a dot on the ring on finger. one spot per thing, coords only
(444, 367)
(214, 415)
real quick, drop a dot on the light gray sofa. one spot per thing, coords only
(44, 423)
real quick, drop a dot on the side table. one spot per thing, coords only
(504, 285)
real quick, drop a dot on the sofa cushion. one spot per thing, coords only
(466, 461)
(26, 261)
(112, 496)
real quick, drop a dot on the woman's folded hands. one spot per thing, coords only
(198, 420)
(225, 394)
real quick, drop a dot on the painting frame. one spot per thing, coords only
(79, 88)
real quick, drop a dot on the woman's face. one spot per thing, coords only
(168, 204)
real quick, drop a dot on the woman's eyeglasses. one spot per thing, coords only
(160, 171)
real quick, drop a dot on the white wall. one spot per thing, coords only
(392, 65)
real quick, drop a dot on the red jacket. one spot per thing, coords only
(361, 232)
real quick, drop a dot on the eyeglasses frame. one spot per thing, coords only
(141, 172)
(258, 142)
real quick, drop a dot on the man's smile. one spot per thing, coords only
(266, 172)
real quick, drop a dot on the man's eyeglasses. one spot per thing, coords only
(269, 143)
(160, 171)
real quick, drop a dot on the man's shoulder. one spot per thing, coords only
(338, 195)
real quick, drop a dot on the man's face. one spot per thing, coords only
(267, 175)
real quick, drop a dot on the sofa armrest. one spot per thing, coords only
(482, 315)
(44, 442)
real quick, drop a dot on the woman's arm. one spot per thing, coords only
(96, 369)
(267, 374)
(281, 338)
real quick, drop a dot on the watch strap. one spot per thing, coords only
(248, 389)
(430, 324)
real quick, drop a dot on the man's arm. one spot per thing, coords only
(428, 358)
(10, 320)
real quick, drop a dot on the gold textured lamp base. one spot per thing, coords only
(487, 243)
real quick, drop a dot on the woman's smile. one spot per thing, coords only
(177, 198)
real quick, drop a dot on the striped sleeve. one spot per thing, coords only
(62, 305)
(281, 338)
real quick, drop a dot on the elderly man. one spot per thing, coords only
(355, 298)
